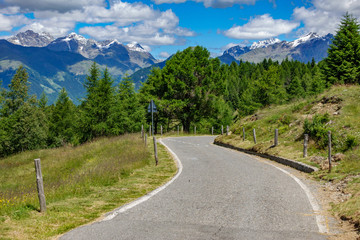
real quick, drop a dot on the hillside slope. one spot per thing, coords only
(336, 110)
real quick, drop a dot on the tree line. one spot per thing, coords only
(191, 90)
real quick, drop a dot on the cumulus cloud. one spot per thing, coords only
(121, 20)
(54, 5)
(128, 34)
(164, 55)
(9, 22)
(211, 3)
(324, 15)
(261, 27)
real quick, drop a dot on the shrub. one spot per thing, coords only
(317, 129)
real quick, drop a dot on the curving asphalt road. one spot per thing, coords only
(220, 194)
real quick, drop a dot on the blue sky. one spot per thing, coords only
(166, 26)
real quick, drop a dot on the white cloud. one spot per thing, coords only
(9, 22)
(127, 34)
(324, 16)
(261, 27)
(122, 20)
(54, 5)
(164, 55)
(211, 3)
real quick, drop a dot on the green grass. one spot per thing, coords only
(81, 184)
(344, 114)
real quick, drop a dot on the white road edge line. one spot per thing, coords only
(150, 194)
(320, 219)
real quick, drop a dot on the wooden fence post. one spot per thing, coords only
(276, 137)
(40, 185)
(254, 135)
(243, 134)
(306, 139)
(155, 151)
(145, 139)
(329, 153)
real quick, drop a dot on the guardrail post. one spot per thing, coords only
(40, 185)
(254, 135)
(155, 151)
(329, 148)
(306, 139)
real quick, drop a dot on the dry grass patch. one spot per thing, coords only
(81, 184)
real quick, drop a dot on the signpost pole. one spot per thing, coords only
(152, 116)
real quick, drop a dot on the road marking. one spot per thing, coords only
(149, 195)
(320, 219)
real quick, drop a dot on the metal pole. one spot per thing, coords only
(222, 130)
(212, 130)
(243, 133)
(161, 130)
(227, 130)
(276, 137)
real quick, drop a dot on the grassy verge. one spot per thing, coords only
(81, 184)
(338, 110)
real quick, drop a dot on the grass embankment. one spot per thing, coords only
(338, 110)
(81, 183)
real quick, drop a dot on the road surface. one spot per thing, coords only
(220, 194)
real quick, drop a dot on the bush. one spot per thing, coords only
(350, 142)
(317, 129)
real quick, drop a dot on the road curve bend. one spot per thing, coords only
(220, 194)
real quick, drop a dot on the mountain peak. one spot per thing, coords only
(304, 38)
(264, 43)
(29, 38)
(134, 46)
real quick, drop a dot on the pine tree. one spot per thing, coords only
(18, 91)
(343, 61)
(62, 121)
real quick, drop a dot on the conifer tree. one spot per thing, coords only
(343, 61)
(62, 121)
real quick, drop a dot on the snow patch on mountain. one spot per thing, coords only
(303, 39)
(134, 46)
(264, 43)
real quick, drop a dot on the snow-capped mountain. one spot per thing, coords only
(264, 43)
(304, 39)
(302, 49)
(65, 61)
(31, 39)
(134, 46)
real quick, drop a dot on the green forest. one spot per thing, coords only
(191, 90)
